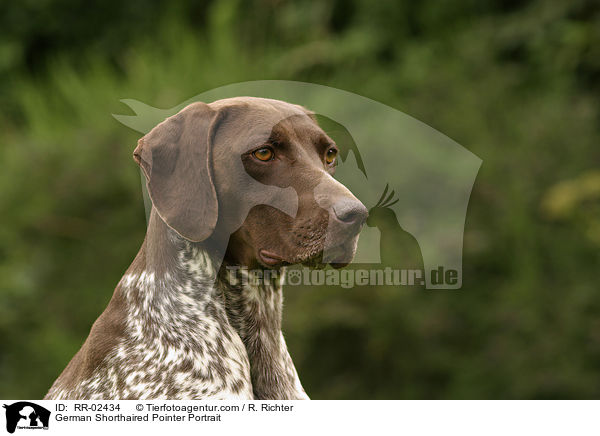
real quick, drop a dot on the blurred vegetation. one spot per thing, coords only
(517, 83)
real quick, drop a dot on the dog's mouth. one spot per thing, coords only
(271, 259)
(338, 257)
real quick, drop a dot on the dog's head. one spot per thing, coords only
(256, 171)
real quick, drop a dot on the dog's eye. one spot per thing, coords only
(330, 156)
(265, 154)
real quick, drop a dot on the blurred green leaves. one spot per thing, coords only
(576, 200)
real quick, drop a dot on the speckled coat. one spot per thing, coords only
(177, 329)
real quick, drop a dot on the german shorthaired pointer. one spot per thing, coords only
(243, 182)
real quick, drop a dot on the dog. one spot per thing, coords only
(237, 186)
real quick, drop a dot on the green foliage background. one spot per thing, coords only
(517, 83)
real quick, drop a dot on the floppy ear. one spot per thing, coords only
(176, 159)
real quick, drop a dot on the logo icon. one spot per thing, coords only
(26, 415)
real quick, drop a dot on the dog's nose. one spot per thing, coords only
(350, 211)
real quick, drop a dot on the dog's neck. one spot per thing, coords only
(249, 300)
(253, 301)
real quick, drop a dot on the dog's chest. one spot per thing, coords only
(184, 335)
(177, 344)
(169, 370)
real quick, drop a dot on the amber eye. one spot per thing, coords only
(330, 156)
(265, 154)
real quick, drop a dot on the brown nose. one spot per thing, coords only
(350, 211)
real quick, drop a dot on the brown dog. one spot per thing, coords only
(243, 182)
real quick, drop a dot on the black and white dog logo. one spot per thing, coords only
(26, 415)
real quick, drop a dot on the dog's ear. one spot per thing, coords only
(176, 158)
